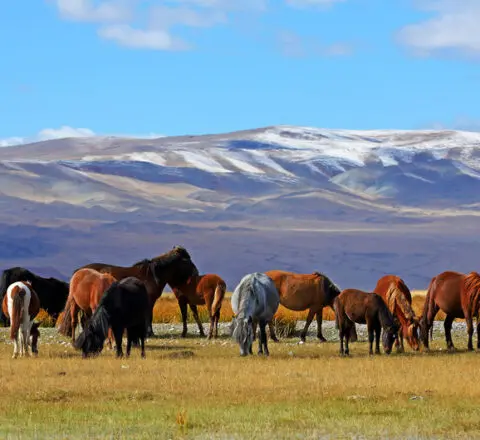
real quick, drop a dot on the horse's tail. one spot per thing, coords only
(65, 327)
(218, 297)
(425, 312)
(16, 317)
(336, 309)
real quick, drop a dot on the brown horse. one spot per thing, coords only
(398, 299)
(305, 291)
(458, 295)
(21, 304)
(206, 289)
(173, 267)
(355, 306)
(87, 287)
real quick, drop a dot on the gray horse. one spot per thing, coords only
(255, 299)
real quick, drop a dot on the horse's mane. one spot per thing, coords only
(143, 262)
(472, 288)
(399, 294)
(328, 284)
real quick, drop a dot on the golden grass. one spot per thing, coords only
(192, 388)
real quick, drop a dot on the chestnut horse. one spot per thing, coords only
(457, 295)
(305, 291)
(355, 306)
(208, 289)
(87, 287)
(398, 299)
(21, 304)
(173, 267)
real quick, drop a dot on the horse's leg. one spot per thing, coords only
(478, 333)
(263, 338)
(370, 336)
(469, 322)
(142, 347)
(217, 318)
(378, 331)
(129, 342)
(182, 302)
(430, 317)
(74, 315)
(319, 325)
(272, 331)
(341, 336)
(254, 329)
(447, 324)
(118, 333)
(15, 348)
(194, 310)
(311, 314)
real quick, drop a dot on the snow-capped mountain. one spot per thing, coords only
(262, 182)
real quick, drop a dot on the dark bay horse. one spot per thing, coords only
(208, 289)
(173, 268)
(398, 299)
(306, 291)
(52, 293)
(254, 300)
(456, 294)
(21, 304)
(124, 306)
(86, 289)
(354, 305)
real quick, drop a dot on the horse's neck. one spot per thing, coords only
(396, 298)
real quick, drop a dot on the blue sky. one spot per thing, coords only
(171, 67)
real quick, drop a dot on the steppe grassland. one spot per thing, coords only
(193, 388)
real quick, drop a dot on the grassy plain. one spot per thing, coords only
(193, 388)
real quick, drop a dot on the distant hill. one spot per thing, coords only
(353, 204)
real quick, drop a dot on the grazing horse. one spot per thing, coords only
(52, 293)
(306, 291)
(398, 298)
(173, 267)
(458, 295)
(255, 299)
(86, 289)
(124, 306)
(352, 306)
(208, 289)
(21, 304)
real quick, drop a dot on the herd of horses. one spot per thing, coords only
(110, 300)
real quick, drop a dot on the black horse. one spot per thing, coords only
(124, 306)
(52, 292)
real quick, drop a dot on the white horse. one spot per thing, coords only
(21, 304)
(255, 299)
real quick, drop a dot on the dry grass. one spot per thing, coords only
(197, 389)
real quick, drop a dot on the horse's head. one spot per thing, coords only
(242, 332)
(174, 267)
(388, 338)
(34, 335)
(412, 334)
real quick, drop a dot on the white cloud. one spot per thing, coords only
(64, 132)
(453, 28)
(155, 25)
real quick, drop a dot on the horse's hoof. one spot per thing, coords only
(321, 339)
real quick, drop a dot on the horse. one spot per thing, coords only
(86, 289)
(124, 306)
(255, 299)
(456, 294)
(173, 268)
(306, 291)
(208, 289)
(21, 304)
(52, 292)
(355, 306)
(398, 298)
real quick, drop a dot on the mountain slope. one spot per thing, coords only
(265, 195)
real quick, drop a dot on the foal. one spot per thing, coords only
(354, 306)
(21, 304)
